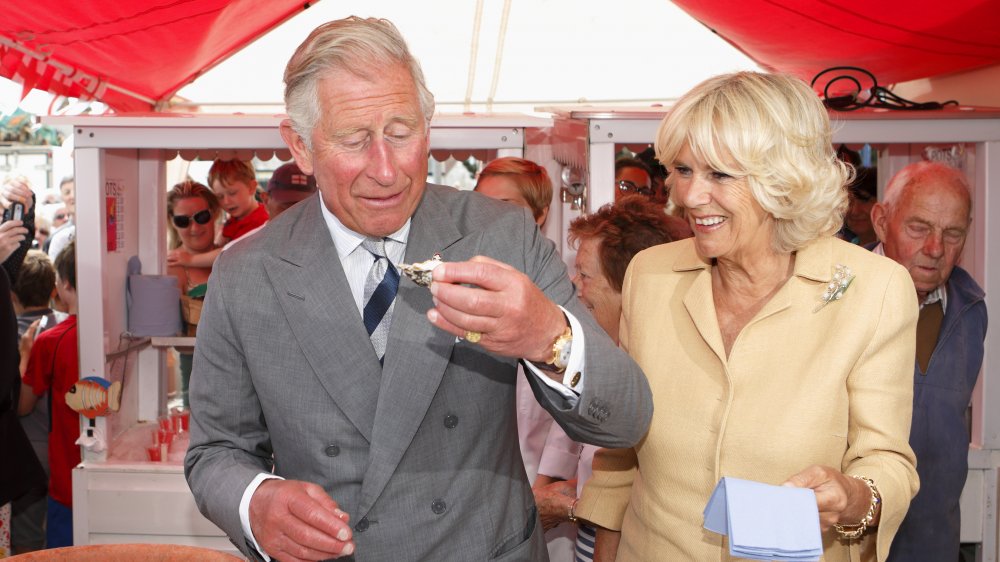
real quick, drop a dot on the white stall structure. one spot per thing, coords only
(121, 171)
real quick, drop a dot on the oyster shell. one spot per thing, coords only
(421, 272)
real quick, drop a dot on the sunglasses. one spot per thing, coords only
(59, 217)
(626, 186)
(184, 221)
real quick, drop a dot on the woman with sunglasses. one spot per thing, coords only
(193, 211)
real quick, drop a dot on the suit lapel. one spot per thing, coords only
(311, 287)
(700, 305)
(699, 302)
(417, 354)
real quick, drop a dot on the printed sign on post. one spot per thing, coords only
(114, 200)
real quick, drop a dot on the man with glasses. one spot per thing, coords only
(632, 177)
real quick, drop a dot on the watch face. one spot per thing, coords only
(564, 353)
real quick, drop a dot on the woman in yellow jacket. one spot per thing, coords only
(775, 352)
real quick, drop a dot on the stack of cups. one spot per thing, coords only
(167, 429)
(180, 419)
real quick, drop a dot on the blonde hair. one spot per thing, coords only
(532, 181)
(184, 190)
(772, 130)
(363, 47)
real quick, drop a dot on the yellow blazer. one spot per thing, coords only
(801, 386)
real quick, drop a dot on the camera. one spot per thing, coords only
(15, 212)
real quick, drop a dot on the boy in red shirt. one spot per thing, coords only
(54, 366)
(235, 184)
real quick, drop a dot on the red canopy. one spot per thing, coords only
(896, 40)
(135, 55)
(130, 55)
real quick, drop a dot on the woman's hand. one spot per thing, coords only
(841, 499)
(554, 501)
(178, 257)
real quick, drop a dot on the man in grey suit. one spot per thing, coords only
(338, 410)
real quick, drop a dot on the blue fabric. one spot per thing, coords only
(58, 525)
(939, 437)
(586, 536)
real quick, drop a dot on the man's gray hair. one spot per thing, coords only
(921, 175)
(363, 47)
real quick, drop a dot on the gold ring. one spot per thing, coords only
(473, 337)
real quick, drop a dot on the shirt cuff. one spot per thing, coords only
(245, 509)
(573, 377)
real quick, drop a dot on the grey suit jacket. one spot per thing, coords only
(423, 453)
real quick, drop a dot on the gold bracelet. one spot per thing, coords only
(852, 532)
(572, 510)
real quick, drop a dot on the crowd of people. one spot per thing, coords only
(748, 307)
(43, 300)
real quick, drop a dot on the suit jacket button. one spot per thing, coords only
(332, 451)
(438, 506)
(450, 421)
(362, 525)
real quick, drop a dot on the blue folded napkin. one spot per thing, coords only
(765, 522)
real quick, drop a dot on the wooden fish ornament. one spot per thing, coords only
(94, 396)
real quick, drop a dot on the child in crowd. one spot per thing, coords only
(31, 293)
(53, 365)
(235, 184)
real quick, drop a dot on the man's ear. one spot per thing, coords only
(880, 220)
(541, 220)
(295, 142)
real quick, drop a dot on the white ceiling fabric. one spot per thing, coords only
(554, 52)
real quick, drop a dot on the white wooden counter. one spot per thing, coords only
(139, 503)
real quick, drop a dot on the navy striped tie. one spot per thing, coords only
(380, 292)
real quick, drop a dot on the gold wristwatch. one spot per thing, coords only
(561, 348)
